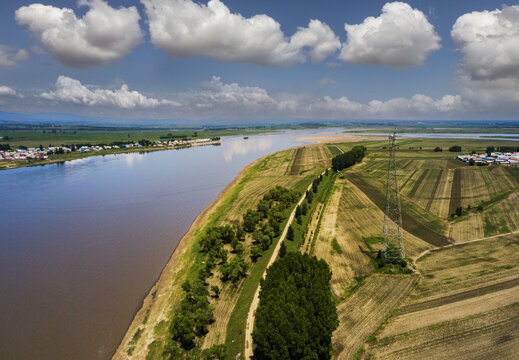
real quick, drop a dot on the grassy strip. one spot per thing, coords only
(336, 247)
(323, 195)
(371, 240)
(455, 192)
(482, 206)
(300, 230)
(235, 336)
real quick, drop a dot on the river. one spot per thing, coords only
(82, 242)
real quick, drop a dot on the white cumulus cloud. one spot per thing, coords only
(9, 57)
(489, 41)
(220, 100)
(319, 37)
(102, 36)
(70, 90)
(183, 28)
(229, 97)
(8, 91)
(401, 36)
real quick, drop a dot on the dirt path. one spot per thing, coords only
(249, 327)
(423, 253)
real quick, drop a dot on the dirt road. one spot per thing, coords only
(254, 305)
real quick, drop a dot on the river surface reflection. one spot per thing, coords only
(82, 242)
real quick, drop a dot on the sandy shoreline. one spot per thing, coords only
(339, 138)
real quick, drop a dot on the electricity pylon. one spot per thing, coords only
(393, 234)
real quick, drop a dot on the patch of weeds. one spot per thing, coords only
(154, 351)
(371, 339)
(161, 328)
(359, 280)
(359, 353)
(336, 247)
(136, 336)
(372, 240)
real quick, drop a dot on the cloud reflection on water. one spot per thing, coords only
(133, 158)
(244, 146)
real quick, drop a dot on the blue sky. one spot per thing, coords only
(227, 71)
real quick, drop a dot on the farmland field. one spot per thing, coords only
(466, 306)
(349, 217)
(469, 291)
(363, 311)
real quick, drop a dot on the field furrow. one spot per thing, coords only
(492, 334)
(363, 312)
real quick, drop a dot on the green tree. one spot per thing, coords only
(298, 211)
(240, 233)
(290, 233)
(234, 244)
(438, 149)
(255, 252)
(459, 211)
(294, 329)
(315, 186)
(304, 208)
(234, 270)
(182, 328)
(216, 290)
(455, 148)
(309, 196)
(282, 249)
(240, 248)
(215, 352)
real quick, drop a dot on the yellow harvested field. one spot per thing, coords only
(451, 311)
(466, 267)
(275, 170)
(350, 216)
(466, 306)
(362, 312)
(502, 217)
(472, 228)
(492, 334)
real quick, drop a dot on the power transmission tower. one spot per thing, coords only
(393, 235)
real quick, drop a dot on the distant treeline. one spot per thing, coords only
(455, 148)
(296, 314)
(5, 147)
(503, 149)
(350, 158)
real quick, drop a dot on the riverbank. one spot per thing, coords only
(293, 168)
(13, 164)
(157, 303)
(339, 138)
